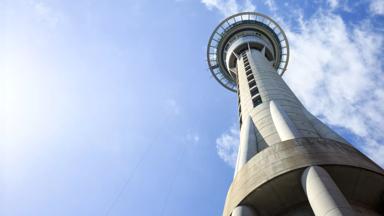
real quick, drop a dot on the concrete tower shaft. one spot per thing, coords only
(276, 112)
(289, 162)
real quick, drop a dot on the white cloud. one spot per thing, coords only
(271, 4)
(46, 14)
(377, 7)
(227, 145)
(248, 6)
(172, 107)
(193, 137)
(344, 5)
(336, 71)
(229, 7)
(375, 150)
(333, 4)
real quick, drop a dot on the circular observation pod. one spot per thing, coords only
(240, 32)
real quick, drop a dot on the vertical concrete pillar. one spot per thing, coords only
(243, 211)
(248, 145)
(323, 194)
(284, 126)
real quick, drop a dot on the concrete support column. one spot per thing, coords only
(243, 211)
(284, 126)
(323, 194)
(248, 145)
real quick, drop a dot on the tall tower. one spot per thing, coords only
(289, 162)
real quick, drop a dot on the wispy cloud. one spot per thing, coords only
(343, 5)
(192, 137)
(333, 3)
(229, 7)
(172, 107)
(377, 7)
(46, 14)
(271, 4)
(336, 72)
(227, 145)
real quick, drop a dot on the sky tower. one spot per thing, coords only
(289, 162)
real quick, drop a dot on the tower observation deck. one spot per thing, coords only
(289, 162)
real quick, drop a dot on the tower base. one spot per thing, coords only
(270, 182)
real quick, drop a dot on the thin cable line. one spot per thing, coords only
(178, 161)
(124, 187)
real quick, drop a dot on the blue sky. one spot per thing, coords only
(109, 108)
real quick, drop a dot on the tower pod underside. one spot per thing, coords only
(244, 31)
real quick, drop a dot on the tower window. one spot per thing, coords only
(255, 95)
(254, 91)
(256, 100)
(252, 83)
(250, 77)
